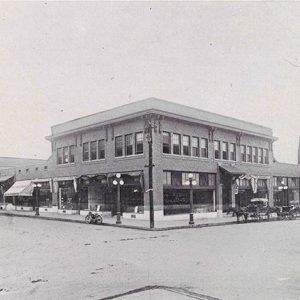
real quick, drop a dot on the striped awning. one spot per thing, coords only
(20, 188)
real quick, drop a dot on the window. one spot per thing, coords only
(36, 168)
(118, 146)
(255, 155)
(176, 178)
(166, 142)
(185, 178)
(139, 139)
(20, 171)
(167, 178)
(260, 156)
(261, 182)
(128, 144)
(232, 151)
(101, 149)
(85, 151)
(93, 150)
(195, 146)
(217, 149)
(243, 152)
(204, 148)
(292, 182)
(186, 145)
(176, 144)
(203, 179)
(59, 156)
(45, 168)
(275, 181)
(65, 155)
(249, 154)
(72, 154)
(27, 170)
(225, 150)
(266, 156)
(211, 179)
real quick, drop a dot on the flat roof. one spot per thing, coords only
(164, 108)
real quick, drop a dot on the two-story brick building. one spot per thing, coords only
(231, 161)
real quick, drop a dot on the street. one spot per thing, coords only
(42, 259)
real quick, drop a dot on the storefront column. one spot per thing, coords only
(271, 192)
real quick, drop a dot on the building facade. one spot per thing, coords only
(231, 161)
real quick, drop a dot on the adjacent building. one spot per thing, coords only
(231, 161)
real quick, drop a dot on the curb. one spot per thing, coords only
(119, 226)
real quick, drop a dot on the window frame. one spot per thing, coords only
(119, 140)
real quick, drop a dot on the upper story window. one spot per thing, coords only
(118, 146)
(65, 155)
(101, 149)
(232, 151)
(128, 144)
(72, 154)
(186, 145)
(139, 143)
(85, 152)
(166, 142)
(217, 149)
(93, 150)
(260, 156)
(243, 152)
(59, 156)
(27, 170)
(204, 147)
(225, 150)
(249, 153)
(176, 143)
(266, 156)
(255, 155)
(195, 146)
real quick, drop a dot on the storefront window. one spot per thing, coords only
(176, 178)
(167, 178)
(211, 179)
(185, 178)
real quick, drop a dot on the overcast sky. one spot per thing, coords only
(60, 61)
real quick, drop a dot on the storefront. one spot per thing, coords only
(286, 191)
(177, 192)
(66, 190)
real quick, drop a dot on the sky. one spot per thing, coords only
(64, 60)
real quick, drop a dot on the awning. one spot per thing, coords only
(4, 178)
(20, 188)
(37, 180)
(251, 170)
(65, 178)
(129, 173)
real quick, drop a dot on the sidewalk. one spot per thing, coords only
(126, 223)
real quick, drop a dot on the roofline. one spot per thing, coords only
(163, 113)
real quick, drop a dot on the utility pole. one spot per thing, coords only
(148, 130)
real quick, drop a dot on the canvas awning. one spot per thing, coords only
(4, 178)
(20, 188)
(241, 169)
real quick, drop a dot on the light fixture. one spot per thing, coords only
(118, 175)
(121, 182)
(115, 182)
